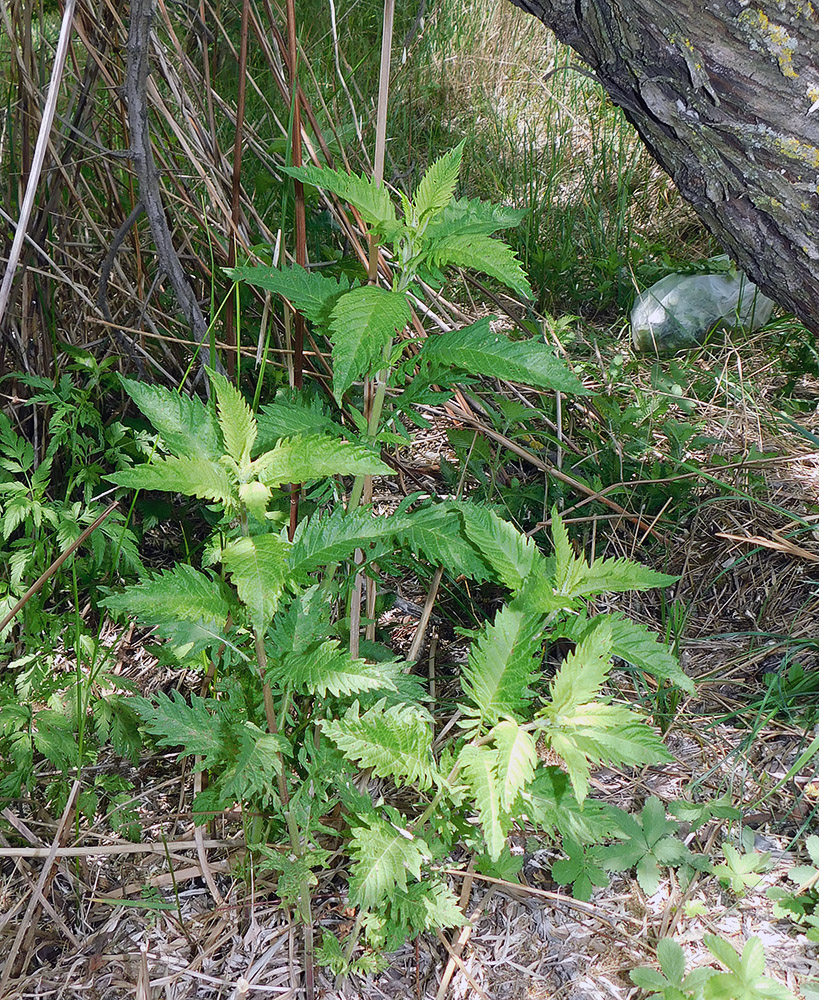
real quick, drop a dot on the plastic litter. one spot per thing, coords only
(680, 311)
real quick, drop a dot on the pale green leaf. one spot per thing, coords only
(462, 216)
(236, 420)
(324, 539)
(258, 567)
(516, 760)
(396, 742)
(479, 351)
(383, 855)
(582, 673)
(371, 199)
(192, 476)
(181, 592)
(481, 253)
(292, 416)
(299, 459)
(502, 664)
(187, 427)
(478, 767)
(310, 293)
(362, 323)
(437, 186)
(328, 668)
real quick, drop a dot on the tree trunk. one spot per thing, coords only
(725, 95)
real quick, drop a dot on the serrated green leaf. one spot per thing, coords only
(437, 186)
(310, 293)
(290, 416)
(383, 856)
(551, 805)
(512, 556)
(328, 668)
(258, 567)
(672, 959)
(321, 540)
(187, 427)
(195, 726)
(502, 662)
(192, 476)
(236, 420)
(516, 760)
(396, 742)
(479, 770)
(616, 576)
(372, 200)
(479, 351)
(582, 673)
(181, 593)
(300, 459)
(463, 216)
(481, 253)
(436, 534)
(362, 323)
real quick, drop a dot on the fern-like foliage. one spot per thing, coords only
(383, 854)
(513, 557)
(312, 294)
(585, 730)
(634, 643)
(396, 742)
(258, 567)
(186, 426)
(479, 351)
(436, 533)
(479, 769)
(502, 664)
(332, 537)
(516, 758)
(198, 727)
(300, 459)
(362, 323)
(328, 668)
(481, 253)
(371, 199)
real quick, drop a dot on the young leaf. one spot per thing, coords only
(258, 567)
(329, 538)
(746, 979)
(479, 351)
(650, 845)
(194, 476)
(383, 856)
(396, 742)
(362, 323)
(479, 770)
(182, 592)
(741, 871)
(187, 427)
(502, 664)
(371, 199)
(310, 293)
(580, 869)
(236, 420)
(484, 254)
(672, 983)
(292, 416)
(326, 667)
(300, 459)
(516, 760)
(437, 186)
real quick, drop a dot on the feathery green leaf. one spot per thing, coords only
(310, 293)
(187, 427)
(236, 420)
(481, 253)
(327, 667)
(192, 476)
(372, 200)
(512, 556)
(383, 856)
(299, 459)
(329, 538)
(479, 770)
(437, 186)
(516, 760)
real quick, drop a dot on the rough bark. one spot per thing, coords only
(725, 95)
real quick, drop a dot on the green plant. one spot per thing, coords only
(581, 869)
(650, 844)
(742, 870)
(292, 714)
(672, 983)
(800, 904)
